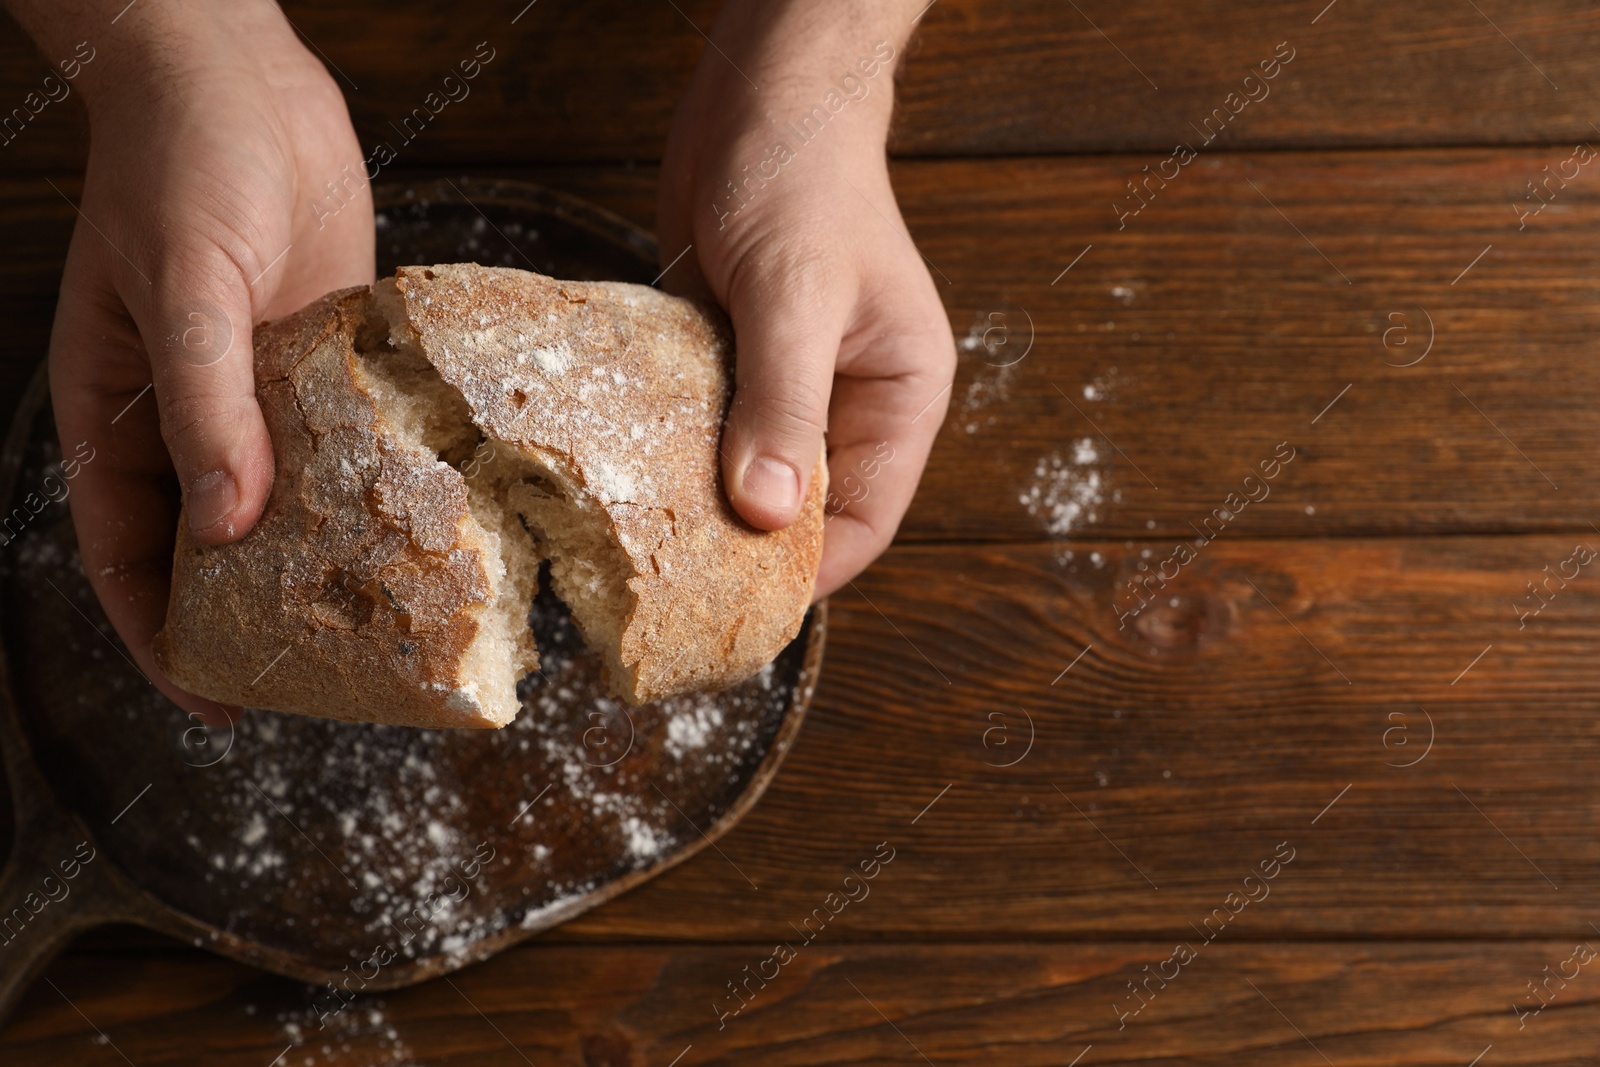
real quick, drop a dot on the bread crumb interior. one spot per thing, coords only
(525, 500)
(429, 415)
(587, 568)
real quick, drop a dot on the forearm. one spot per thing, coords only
(56, 26)
(785, 36)
(775, 175)
(110, 48)
(780, 60)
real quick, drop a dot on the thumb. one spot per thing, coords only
(197, 330)
(787, 325)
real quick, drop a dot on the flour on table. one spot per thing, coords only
(362, 1028)
(991, 381)
(1102, 388)
(1067, 492)
(254, 831)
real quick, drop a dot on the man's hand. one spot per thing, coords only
(775, 172)
(212, 135)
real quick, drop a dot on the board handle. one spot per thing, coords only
(42, 909)
(55, 885)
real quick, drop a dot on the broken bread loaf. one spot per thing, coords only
(439, 437)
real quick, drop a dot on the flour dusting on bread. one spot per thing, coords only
(437, 439)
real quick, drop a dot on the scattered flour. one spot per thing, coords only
(644, 842)
(362, 1030)
(989, 384)
(611, 483)
(691, 729)
(1102, 388)
(552, 359)
(1064, 493)
(991, 381)
(255, 830)
(977, 338)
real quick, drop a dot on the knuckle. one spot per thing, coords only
(796, 410)
(805, 274)
(871, 529)
(187, 276)
(193, 425)
(936, 340)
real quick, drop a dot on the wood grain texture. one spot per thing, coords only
(598, 81)
(1231, 313)
(1270, 698)
(1180, 750)
(1209, 330)
(629, 1006)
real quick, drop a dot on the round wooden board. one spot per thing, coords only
(322, 850)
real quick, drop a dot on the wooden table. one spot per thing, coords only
(1345, 686)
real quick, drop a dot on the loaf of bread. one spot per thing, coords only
(440, 436)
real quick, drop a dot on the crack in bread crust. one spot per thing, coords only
(622, 390)
(436, 438)
(336, 605)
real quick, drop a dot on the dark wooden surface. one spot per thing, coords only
(1270, 698)
(1359, 1003)
(526, 831)
(597, 81)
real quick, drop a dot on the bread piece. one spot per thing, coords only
(368, 590)
(436, 438)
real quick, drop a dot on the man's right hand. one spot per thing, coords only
(206, 208)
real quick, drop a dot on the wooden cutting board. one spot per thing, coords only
(365, 856)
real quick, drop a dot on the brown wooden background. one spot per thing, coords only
(1373, 591)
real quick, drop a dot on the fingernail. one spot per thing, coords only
(210, 500)
(772, 483)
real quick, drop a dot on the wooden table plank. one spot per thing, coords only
(1231, 313)
(1180, 751)
(598, 81)
(837, 1003)
(1208, 332)
(1276, 699)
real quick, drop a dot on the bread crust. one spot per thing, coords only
(357, 593)
(624, 389)
(361, 590)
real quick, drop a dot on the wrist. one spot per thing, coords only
(789, 37)
(780, 88)
(155, 52)
(773, 64)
